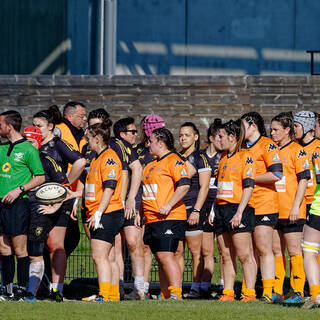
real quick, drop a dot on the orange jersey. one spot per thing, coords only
(105, 172)
(160, 180)
(310, 148)
(234, 174)
(266, 156)
(295, 167)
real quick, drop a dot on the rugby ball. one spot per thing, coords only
(51, 193)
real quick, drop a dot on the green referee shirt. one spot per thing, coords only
(19, 162)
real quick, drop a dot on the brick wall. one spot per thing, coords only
(176, 98)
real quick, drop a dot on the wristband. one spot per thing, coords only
(195, 210)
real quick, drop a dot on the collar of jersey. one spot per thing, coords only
(286, 144)
(250, 144)
(164, 156)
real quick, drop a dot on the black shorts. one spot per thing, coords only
(286, 226)
(313, 221)
(111, 223)
(224, 213)
(164, 236)
(14, 218)
(266, 219)
(308, 207)
(202, 218)
(207, 227)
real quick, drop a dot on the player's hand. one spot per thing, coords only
(236, 220)
(94, 221)
(137, 221)
(130, 208)
(165, 210)
(11, 196)
(43, 209)
(194, 218)
(211, 217)
(294, 215)
(74, 212)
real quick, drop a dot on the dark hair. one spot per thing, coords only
(213, 130)
(102, 129)
(164, 135)
(286, 121)
(317, 117)
(121, 126)
(237, 129)
(98, 114)
(196, 131)
(255, 118)
(143, 137)
(52, 115)
(13, 118)
(72, 105)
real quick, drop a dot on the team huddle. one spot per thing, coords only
(258, 195)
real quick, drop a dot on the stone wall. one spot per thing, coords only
(176, 98)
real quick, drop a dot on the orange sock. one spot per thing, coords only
(298, 274)
(267, 287)
(249, 292)
(114, 292)
(318, 259)
(177, 291)
(243, 287)
(165, 294)
(279, 274)
(104, 290)
(228, 292)
(314, 290)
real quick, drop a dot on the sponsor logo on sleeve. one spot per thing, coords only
(112, 174)
(306, 165)
(276, 158)
(249, 173)
(184, 173)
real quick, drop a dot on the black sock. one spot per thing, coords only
(23, 271)
(8, 267)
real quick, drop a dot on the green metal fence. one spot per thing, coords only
(80, 264)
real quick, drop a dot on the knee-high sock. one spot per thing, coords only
(8, 266)
(36, 271)
(298, 274)
(23, 271)
(280, 274)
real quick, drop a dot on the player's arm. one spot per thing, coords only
(178, 195)
(11, 196)
(136, 178)
(76, 170)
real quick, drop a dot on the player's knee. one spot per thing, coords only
(35, 248)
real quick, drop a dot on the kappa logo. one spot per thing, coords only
(265, 218)
(301, 153)
(271, 147)
(110, 162)
(168, 232)
(248, 161)
(18, 156)
(315, 156)
(179, 163)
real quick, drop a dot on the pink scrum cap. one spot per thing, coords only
(151, 123)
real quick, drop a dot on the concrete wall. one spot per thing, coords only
(176, 98)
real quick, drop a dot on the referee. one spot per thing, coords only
(20, 171)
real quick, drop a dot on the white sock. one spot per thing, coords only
(139, 283)
(121, 285)
(221, 283)
(205, 285)
(36, 270)
(58, 286)
(195, 286)
(146, 287)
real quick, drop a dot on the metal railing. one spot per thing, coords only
(80, 264)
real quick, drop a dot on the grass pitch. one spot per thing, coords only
(149, 310)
